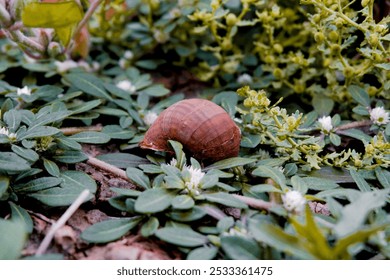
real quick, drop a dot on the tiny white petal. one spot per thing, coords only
(245, 79)
(128, 55)
(379, 116)
(25, 90)
(126, 85)
(64, 66)
(149, 118)
(293, 201)
(326, 124)
(196, 175)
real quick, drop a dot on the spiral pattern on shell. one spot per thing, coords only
(201, 126)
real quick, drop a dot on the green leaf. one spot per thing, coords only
(180, 155)
(150, 227)
(173, 182)
(155, 90)
(383, 177)
(12, 118)
(71, 157)
(335, 139)
(322, 105)
(360, 182)
(38, 184)
(359, 95)
(355, 133)
(250, 140)
(12, 239)
(66, 143)
(240, 248)
(194, 214)
(277, 238)
(109, 230)
(51, 167)
(51, 15)
(225, 199)
(183, 202)
(203, 253)
(85, 107)
(48, 118)
(138, 177)
(337, 175)
(116, 132)
(40, 131)
(154, 200)
(89, 84)
(270, 172)
(91, 137)
(230, 162)
(354, 214)
(122, 160)
(74, 182)
(27, 154)
(319, 184)
(4, 185)
(12, 162)
(65, 33)
(20, 215)
(185, 237)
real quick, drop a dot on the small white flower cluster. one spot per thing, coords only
(245, 79)
(127, 57)
(149, 118)
(65, 66)
(293, 201)
(5, 131)
(23, 91)
(326, 124)
(127, 86)
(379, 116)
(196, 176)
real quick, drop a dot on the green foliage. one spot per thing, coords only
(305, 81)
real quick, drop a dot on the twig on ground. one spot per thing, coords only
(108, 167)
(62, 220)
(74, 130)
(254, 202)
(353, 125)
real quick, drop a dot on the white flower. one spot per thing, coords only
(128, 55)
(25, 90)
(126, 85)
(326, 124)
(379, 116)
(244, 79)
(5, 131)
(173, 162)
(196, 175)
(64, 66)
(293, 201)
(150, 118)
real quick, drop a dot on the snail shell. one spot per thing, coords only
(201, 126)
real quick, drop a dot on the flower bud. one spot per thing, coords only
(373, 40)
(365, 3)
(319, 37)
(333, 36)
(278, 48)
(231, 19)
(54, 49)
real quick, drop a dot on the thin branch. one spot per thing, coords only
(254, 202)
(108, 167)
(87, 16)
(353, 125)
(68, 213)
(74, 130)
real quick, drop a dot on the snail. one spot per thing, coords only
(204, 129)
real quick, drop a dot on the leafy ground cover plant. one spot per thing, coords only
(306, 82)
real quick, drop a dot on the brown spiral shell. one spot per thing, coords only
(201, 126)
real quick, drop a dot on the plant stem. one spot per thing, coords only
(353, 125)
(87, 16)
(254, 202)
(74, 130)
(68, 213)
(108, 167)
